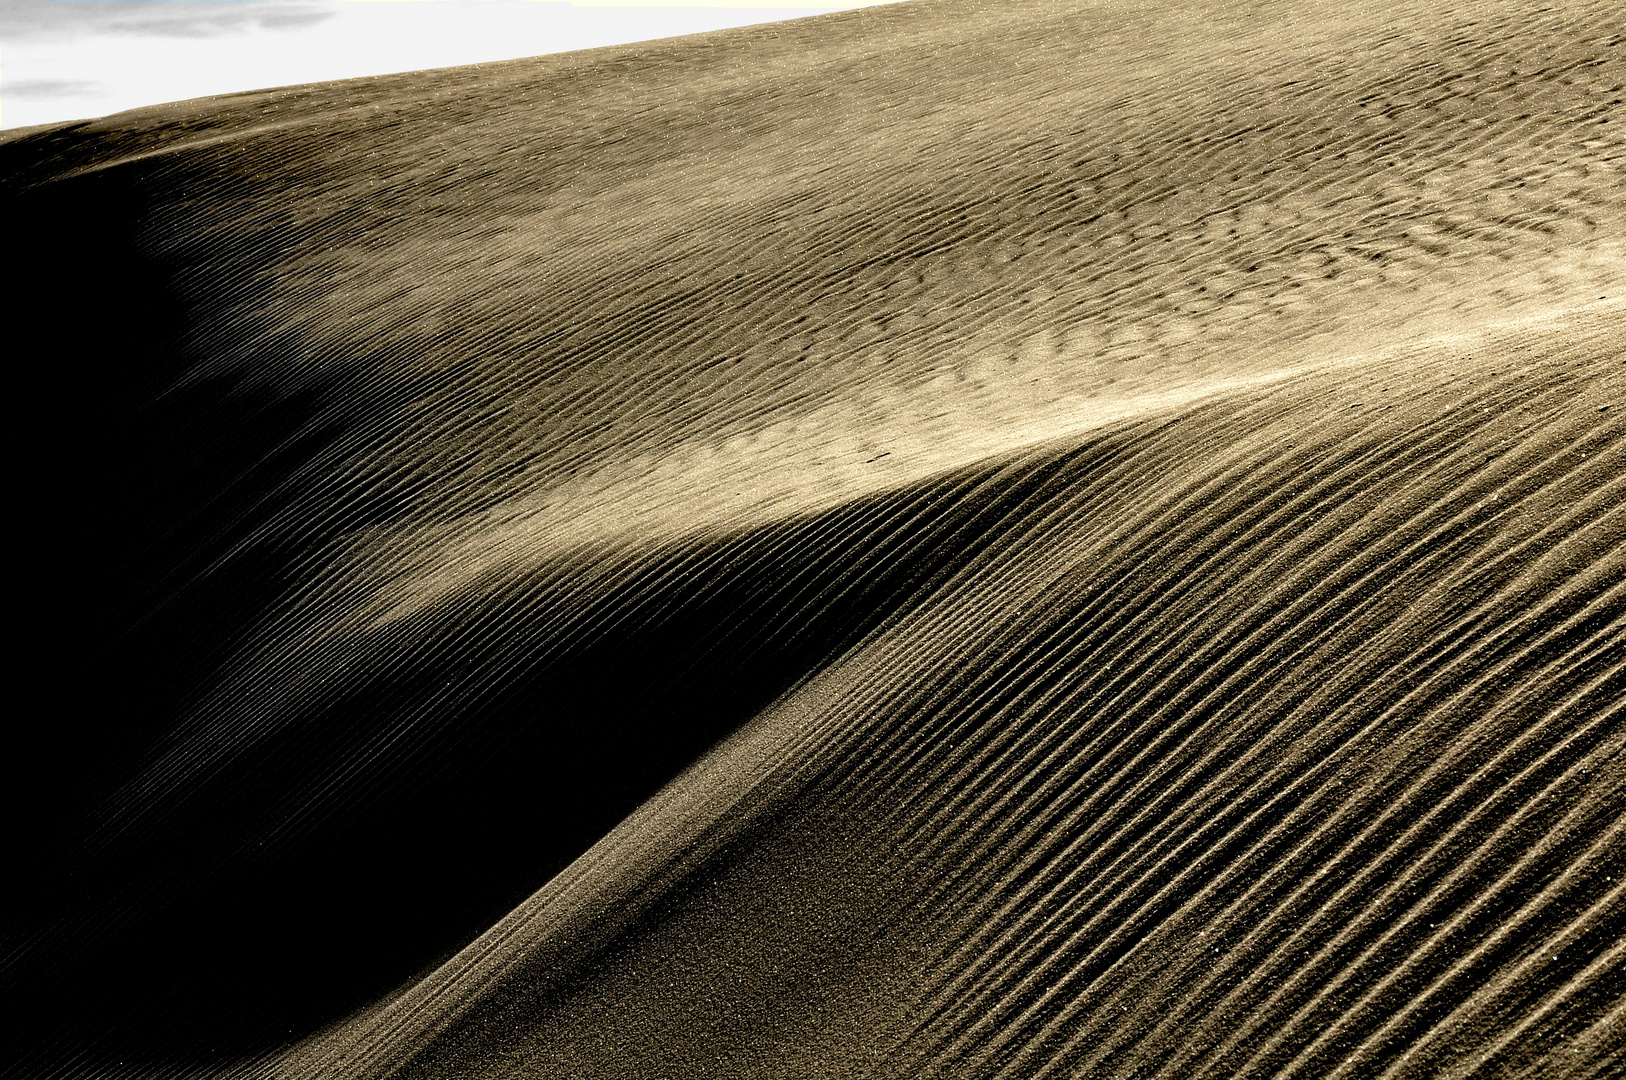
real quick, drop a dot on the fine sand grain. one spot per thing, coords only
(1009, 540)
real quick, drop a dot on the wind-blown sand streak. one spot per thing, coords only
(1041, 540)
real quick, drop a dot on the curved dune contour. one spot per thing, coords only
(1023, 540)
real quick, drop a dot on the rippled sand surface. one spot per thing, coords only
(953, 539)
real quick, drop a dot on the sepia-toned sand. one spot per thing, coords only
(955, 539)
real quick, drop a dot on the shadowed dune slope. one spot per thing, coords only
(953, 539)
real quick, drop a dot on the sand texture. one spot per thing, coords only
(1020, 540)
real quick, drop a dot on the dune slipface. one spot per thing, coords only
(1023, 540)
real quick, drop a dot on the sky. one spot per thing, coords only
(74, 59)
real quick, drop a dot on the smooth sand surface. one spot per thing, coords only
(1007, 540)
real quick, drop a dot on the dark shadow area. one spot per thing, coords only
(129, 491)
(403, 816)
(396, 817)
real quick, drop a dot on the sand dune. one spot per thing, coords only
(945, 540)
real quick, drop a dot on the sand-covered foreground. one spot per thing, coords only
(966, 540)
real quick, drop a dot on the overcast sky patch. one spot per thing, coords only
(49, 88)
(112, 55)
(23, 20)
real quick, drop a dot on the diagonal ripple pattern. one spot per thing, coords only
(1278, 737)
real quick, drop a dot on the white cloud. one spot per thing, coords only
(109, 55)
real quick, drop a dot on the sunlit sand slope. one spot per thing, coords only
(952, 539)
(1278, 737)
